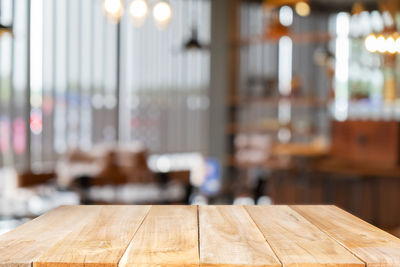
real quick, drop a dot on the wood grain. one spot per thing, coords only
(372, 245)
(100, 241)
(167, 237)
(229, 237)
(297, 242)
(20, 247)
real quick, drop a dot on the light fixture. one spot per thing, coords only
(398, 45)
(371, 43)
(302, 9)
(113, 9)
(162, 13)
(381, 44)
(138, 9)
(391, 45)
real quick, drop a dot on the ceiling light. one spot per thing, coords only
(391, 45)
(371, 43)
(381, 44)
(162, 13)
(398, 45)
(113, 8)
(138, 9)
(302, 9)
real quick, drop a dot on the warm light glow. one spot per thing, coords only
(138, 10)
(302, 9)
(398, 45)
(391, 45)
(286, 16)
(162, 13)
(371, 43)
(381, 44)
(113, 8)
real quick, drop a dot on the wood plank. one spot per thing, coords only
(101, 241)
(372, 245)
(296, 241)
(167, 237)
(20, 247)
(229, 237)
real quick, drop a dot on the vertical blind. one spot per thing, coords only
(61, 86)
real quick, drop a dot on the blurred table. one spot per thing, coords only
(198, 236)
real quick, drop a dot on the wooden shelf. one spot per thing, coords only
(271, 127)
(307, 150)
(274, 101)
(297, 37)
(263, 127)
(241, 99)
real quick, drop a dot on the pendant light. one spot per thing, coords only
(113, 9)
(138, 9)
(162, 13)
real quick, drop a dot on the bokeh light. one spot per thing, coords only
(398, 45)
(162, 13)
(391, 45)
(381, 44)
(302, 9)
(286, 16)
(36, 122)
(371, 43)
(138, 9)
(113, 8)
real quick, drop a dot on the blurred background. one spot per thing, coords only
(200, 102)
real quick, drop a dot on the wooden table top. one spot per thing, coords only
(198, 236)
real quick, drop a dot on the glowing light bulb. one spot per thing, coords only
(381, 44)
(113, 8)
(398, 45)
(302, 9)
(162, 13)
(138, 10)
(391, 45)
(371, 43)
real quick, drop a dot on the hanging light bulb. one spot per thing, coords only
(381, 44)
(398, 44)
(371, 43)
(391, 45)
(302, 9)
(138, 10)
(113, 9)
(162, 13)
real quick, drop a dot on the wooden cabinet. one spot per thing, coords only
(367, 141)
